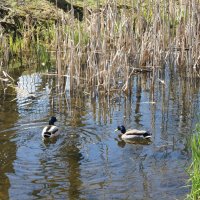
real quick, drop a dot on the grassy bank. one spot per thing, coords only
(194, 170)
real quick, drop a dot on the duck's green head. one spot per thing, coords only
(121, 128)
(52, 120)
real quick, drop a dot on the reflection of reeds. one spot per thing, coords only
(111, 41)
(8, 81)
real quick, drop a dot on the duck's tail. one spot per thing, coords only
(46, 134)
(147, 135)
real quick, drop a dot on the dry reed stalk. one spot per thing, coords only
(58, 53)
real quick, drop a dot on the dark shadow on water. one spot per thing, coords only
(47, 142)
(122, 143)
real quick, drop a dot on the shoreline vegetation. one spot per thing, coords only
(194, 169)
(102, 43)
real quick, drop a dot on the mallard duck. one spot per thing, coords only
(133, 134)
(51, 130)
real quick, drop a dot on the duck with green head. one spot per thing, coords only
(50, 130)
(133, 134)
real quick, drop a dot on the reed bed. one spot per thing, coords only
(113, 42)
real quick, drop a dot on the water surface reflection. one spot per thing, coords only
(88, 161)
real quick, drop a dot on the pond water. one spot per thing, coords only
(88, 160)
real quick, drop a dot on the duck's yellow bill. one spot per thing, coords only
(116, 130)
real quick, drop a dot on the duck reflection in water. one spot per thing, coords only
(49, 142)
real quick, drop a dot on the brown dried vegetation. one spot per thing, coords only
(112, 42)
